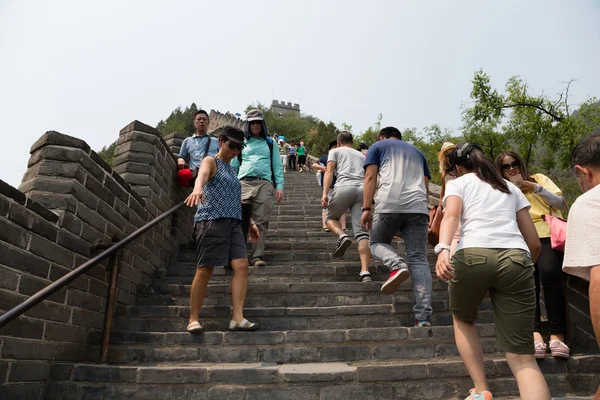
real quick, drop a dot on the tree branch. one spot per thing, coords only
(556, 117)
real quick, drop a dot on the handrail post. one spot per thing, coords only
(110, 304)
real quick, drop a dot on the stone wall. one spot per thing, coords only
(69, 201)
(219, 120)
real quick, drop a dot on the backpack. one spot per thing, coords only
(270, 144)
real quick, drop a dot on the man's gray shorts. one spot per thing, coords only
(344, 198)
(218, 242)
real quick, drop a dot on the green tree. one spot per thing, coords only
(369, 136)
(292, 126)
(179, 120)
(108, 153)
(320, 136)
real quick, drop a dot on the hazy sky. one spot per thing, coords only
(87, 68)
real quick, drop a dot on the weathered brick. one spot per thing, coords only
(41, 211)
(391, 373)
(346, 392)
(23, 327)
(91, 165)
(22, 371)
(289, 354)
(227, 393)
(104, 373)
(56, 169)
(4, 205)
(85, 300)
(61, 372)
(93, 235)
(9, 278)
(64, 333)
(110, 214)
(30, 285)
(87, 318)
(91, 217)
(11, 192)
(433, 389)
(23, 261)
(57, 271)
(74, 243)
(98, 160)
(54, 201)
(34, 222)
(50, 251)
(59, 139)
(23, 349)
(171, 375)
(242, 375)
(98, 288)
(345, 353)
(71, 223)
(136, 205)
(75, 352)
(22, 391)
(99, 190)
(115, 188)
(232, 355)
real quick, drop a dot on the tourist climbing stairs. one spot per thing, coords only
(324, 335)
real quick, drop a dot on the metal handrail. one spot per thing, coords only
(63, 281)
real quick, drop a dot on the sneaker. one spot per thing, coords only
(422, 323)
(540, 350)
(342, 244)
(396, 278)
(559, 349)
(326, 229)
(485, 395)
(259, 263)
(365, 277)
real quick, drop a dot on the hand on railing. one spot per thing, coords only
(194, 198)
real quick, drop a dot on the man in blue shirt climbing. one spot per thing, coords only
(261, 174)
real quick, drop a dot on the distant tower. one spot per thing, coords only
(281, 107)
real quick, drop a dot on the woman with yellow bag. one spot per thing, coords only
(545, 199)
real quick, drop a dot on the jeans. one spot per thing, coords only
(413, 229)
(548, 269)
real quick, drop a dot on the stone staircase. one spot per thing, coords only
(324, 335)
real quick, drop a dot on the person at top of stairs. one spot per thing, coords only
(261, 173)
(218, 229)
(400, 205)
(301, 156)
(194, 149)
(321, 166)
(495, 254)
(347, 165)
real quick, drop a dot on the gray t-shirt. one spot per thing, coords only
(349, 165)
(402, 169)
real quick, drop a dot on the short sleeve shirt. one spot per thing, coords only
(582, 248)
(323, 162)
(194, 147)
(349, 165)
(402, 169)
(540, 207)
(489, 216)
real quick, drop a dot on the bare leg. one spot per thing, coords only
(335, 227)
(343, 221)
(537, 337)
(324, 218)
(469, 347)
(198, 291)
(239, 285)
(532, 385)
(365, 254)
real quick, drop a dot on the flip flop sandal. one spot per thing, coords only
(245, 325)
(195, 327)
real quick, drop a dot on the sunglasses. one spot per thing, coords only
(255, 122)
(234, 145)
(450, 171)
(512, 165)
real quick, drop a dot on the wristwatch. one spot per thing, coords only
(441, 247)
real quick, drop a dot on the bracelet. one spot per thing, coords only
(252, 223)
(366, 208)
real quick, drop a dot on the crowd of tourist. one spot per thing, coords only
(493, 238)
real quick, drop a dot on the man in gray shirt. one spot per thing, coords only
(347, 165)
(399, 172)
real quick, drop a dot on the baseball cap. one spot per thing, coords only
(255, 115)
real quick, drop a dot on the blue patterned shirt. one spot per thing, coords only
(222, 195)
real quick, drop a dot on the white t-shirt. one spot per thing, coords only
(349, 165)
(489, 216)
(582, 248)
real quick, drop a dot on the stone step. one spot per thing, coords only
(258, 300)
(434, 378)
(280, 319)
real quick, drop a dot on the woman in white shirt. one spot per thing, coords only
(496, 251)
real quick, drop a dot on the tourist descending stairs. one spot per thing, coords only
(324, 335)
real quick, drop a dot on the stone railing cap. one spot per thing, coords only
(140, 127)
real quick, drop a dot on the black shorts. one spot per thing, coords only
(302, 160)
(218, 242)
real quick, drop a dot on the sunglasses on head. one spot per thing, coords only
(234, 145)
(512, 165)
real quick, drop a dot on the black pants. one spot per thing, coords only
(301, 161)
(548, 270)
(292, 161)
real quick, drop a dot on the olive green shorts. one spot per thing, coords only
(508, 275)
